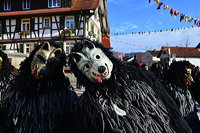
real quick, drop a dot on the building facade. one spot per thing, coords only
(150, 57)
(25, 23)
(169, 54)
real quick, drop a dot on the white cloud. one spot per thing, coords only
(124, 27)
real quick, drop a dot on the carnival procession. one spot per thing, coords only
(99, 66)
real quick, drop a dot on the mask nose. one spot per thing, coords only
(101, 69)
(41, 72)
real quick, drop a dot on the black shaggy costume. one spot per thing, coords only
(148, 107)
(178, 88)
(5, 74)
(32, 105)
(195, 87)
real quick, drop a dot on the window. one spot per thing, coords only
(26, 4)
(7, 5)
(46, 23)
(54, 3)
(69, 23)
(25, 26)
(69, 46)
(28, 48)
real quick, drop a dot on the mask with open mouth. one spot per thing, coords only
(45, 61)
(93, 63)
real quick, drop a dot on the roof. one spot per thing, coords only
(154, 53)
(181, 51)
(77, 5)
(198, 46)
(139, 57)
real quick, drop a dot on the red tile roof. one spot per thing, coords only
(139, 57)
(198, 46)
(182, 51)
(154, 53)
(77, 5)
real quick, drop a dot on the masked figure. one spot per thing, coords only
(120, 98)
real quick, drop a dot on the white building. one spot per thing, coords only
(169, 54)
(150, 57)
(24, 23)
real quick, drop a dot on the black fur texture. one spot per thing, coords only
(5, 66)
(5, 74)
(147, 105)
(38, 105)
(176, 87)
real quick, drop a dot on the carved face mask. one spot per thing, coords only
(45, 61)
(188, 76)
(93, 63)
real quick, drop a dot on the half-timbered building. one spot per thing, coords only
(24, 23)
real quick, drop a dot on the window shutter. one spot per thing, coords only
(4, 47)
(62, 22)
(64, 3)
(77, 22)
(18, 25)
(4, 26)
(32, 23)
(61, 45)
(21, 47)
(92, 27)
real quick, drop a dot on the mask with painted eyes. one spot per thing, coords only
(93, 63)
(188, 76)
(45, 61)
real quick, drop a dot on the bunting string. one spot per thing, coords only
(142, 47)
(175, 13)
(149, 32)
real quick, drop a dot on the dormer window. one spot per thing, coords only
(54, 3)
(7, 5)
(26, 4)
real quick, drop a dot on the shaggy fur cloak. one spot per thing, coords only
(5, 80)
(134, 90)
(5, 74)
(33, 105)
(179, 90)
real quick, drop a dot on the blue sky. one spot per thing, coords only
(127, 16)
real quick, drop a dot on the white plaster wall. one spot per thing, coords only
(194, 61)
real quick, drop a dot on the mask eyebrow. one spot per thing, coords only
(42, 58)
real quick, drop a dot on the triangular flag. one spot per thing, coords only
(166, 7)
(159, 5)
(175, 13)
(158, 2)
(171, 11)
(181, 17)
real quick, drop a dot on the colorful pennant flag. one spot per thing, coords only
(149, 32)
(175, 13)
